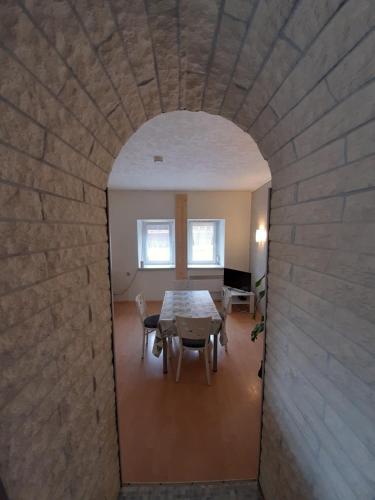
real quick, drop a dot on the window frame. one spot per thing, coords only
(142, 226)
(219, 244)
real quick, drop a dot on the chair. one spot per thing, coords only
(149, 323)
(227, 300)
(194, 335)
(225, 311)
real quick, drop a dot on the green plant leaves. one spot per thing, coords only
(258, 328)
(259, 282)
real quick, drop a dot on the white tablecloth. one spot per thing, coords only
(191, 303)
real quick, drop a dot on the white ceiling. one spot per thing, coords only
(200, 152)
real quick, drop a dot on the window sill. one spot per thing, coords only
(205, 266)
(155, 268)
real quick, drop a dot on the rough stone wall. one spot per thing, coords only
(77, 78)
(61, 125)
(317, 131)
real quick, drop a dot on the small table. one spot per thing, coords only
(191, 303)
(235, 295)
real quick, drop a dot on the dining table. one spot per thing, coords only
(188, 303)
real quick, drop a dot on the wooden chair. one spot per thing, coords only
(194, 335)
(149, 323)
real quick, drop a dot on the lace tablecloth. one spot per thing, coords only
(191, 303)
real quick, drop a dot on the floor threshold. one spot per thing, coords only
(221, 490)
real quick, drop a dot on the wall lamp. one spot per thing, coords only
(260, 235)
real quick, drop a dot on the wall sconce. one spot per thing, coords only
(260, 235)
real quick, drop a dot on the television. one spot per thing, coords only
(237, 279)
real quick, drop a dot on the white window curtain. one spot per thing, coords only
(205, 242)
(203, 236)
(156, 243)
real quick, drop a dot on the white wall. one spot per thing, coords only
(125, 207)
(259, 218)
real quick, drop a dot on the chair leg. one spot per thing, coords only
(207, 366)
(179, 364)
(143, 344)
(147, 332)
(209, 352)
(170, 347)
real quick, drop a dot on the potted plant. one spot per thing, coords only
(259, 296)
(259, 327)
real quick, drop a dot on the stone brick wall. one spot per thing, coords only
(77, 78)
(318, 435)
(61, 126)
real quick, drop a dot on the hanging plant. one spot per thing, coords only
(259, 296)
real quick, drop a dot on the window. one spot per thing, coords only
(156, 246)
(206, 243)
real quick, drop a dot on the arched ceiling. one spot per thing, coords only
(199, 152)
(99, 69)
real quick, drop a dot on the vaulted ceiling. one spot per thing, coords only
(196, 150)
(104, 67)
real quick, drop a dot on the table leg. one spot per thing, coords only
(214, 368)
(165, 355)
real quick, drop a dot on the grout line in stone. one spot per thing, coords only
(265, 60)
(81, 85)
(120, 34)
(178, 41)
(318, 81)
(55, 167)
(322, 146)
(53, 221)
(211, 56)
(291, 42)
(53, 276)
(340, 194)
(40, 191)
(44, 127)
(27, 153)
(247, 31)
(303, 53)
(325, 323)
(52, 249)
(330, 91)
(94, 49)
(156, 69)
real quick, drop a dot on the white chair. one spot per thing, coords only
(194, 335)
(225, 311)
(149, 323)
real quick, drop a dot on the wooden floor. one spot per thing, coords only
(188, 431)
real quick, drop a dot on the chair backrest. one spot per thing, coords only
(226, 301)
(141, 306)
(193, 328)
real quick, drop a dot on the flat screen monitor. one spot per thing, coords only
(237, 279)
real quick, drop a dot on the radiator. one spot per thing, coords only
(212, 283)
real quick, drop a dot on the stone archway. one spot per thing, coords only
(77, 79)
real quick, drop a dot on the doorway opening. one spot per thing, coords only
(187, 431)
